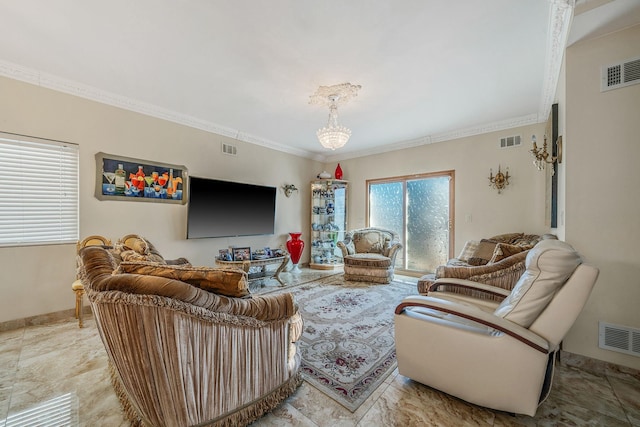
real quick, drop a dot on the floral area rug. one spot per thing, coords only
(347, 345)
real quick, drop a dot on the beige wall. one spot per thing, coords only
(519, 208)
(602, 205)
(37, 279)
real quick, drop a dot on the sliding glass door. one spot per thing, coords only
(420, 209)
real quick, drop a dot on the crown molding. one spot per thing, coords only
(49, 81)
(510, 123)
(560, 17)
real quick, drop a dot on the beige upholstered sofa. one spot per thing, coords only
(497, 355)
(369, 254)
(497, 261)
(181, 355)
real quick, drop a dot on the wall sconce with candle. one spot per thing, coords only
(542, 156)
(499, 181)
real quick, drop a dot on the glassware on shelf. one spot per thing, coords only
(328, 222)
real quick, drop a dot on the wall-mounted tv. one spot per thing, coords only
(225, 209)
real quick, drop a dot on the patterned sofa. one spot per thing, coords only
(498, 261)
(183, 355)
(369, 254)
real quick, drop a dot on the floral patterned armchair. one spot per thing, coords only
(370, 254)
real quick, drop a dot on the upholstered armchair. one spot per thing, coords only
(182, 356)
(369, 254)
(133, 247)
(498, 261)
(500, 356)
(77, 286)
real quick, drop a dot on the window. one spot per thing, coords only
(38, 191)
(420, 209)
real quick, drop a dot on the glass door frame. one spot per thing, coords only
(403, 179)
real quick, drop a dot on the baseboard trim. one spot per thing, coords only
(42, 319)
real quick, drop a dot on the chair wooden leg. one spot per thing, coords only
(76, 314)
(79, 298)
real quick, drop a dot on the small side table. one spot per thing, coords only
(261, 264)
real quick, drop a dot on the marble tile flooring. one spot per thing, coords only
(55, 374)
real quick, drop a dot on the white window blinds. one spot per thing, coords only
(38, 191)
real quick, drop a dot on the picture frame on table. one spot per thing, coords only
(242, 254)
(225, 255)
(137, 180)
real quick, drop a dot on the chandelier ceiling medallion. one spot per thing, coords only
(333, 135)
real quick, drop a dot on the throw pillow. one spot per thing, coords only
(136, 248)
(484, 250)
(549, 264)
(467, 251)
(367, 242)
(507, 237)
(351, 249)
(505, 250)
(476, 261)
(224, 281)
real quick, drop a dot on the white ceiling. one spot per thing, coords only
(429, 70)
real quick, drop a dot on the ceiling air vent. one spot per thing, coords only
(229, 149)
(510, 141)
(622, 339)
(619, 75)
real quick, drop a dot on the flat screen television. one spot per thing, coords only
(226, 209)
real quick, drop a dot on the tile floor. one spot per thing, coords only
(55, 374)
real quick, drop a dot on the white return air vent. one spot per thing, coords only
(619, 75)
(229, 149)
(622, 339)
(510, 141)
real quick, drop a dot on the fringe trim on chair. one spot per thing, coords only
(254, 410)
(130, 412)
(240, 417)
(388, 278)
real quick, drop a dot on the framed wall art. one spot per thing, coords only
(126, 178)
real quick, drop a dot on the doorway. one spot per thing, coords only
(420, 209)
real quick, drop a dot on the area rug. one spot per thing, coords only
(347, 345)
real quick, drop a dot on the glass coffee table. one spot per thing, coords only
(257, 268)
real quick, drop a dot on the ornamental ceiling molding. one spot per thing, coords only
(59, 84)
(510, 123)
(560, 16)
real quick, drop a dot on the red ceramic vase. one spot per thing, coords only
(295, 247)
(338, 172)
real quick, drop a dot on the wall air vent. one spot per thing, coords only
(510, 141)
(229, 149)
(622, 339)
(619, 75)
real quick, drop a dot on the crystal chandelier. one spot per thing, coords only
(333, 135)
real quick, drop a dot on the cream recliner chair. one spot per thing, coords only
(500, 356)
